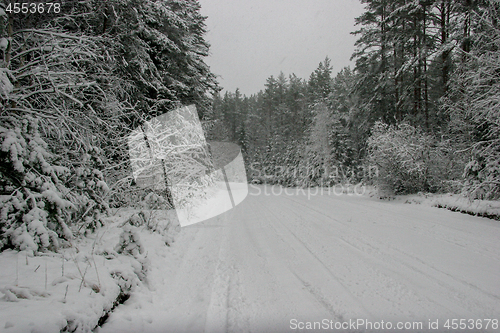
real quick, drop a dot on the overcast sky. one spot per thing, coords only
(254, 39)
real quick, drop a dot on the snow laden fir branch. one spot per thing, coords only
(44, 203)
(52, 115)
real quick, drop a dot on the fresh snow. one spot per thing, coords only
(271, 262)
(71, 290)
(309, 257)
(217, 203)
(462, 204)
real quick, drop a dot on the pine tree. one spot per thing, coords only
(87, 78)
(320, 82)
(474, 106)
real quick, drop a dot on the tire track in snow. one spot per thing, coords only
(413, 257)
(270, 292)
(442, 279)
(347, 295)
(353, 250)
(216, 319)
(420, 227)
(187, 293)
(345, 274)
(224, 310)
(247, 287)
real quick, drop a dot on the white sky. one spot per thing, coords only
(254, 39)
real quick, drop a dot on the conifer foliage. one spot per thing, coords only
(72, 88)
(36, 213)
(420, 106)
(474, 105)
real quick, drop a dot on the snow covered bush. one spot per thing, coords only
(482, 173)
(90, 189)
(52, 116)
(156, 216)
(154, 201)
(410, 161)
(130, 242)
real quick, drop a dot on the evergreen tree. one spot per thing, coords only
(474, 107)
(86, 79)
(320, 82)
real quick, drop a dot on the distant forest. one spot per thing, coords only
(421, 106)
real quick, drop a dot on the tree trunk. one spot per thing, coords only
(444, 20)
(424, 61)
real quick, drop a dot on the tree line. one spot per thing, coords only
(421, 105)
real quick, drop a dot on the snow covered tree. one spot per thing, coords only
(372, 54)
(35, 211)
(60, 87)
(405, 54)
(474, 106)
(81, 81)
(160, 46)
(351, 127)
(320, 82)
(320, 141)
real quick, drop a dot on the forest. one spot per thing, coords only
(419, 112)
(73, 85)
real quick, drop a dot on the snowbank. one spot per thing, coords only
(457, 203)
(75, 289)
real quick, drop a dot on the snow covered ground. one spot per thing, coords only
(285, 262)
(219, 202)
(277, 263)
(72, 290)
(458, 203)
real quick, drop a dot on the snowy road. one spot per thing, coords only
(279, 263)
